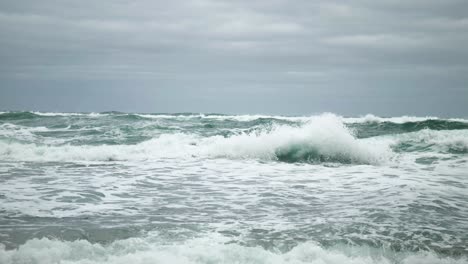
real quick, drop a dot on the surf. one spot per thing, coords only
(324, 138)
(321, 139)
(207, 249)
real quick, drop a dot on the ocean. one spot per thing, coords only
(210, 188)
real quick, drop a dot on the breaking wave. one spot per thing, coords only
(211, 249)
(324, 138)
(321, 139)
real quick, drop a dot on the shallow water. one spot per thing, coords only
(188, 188)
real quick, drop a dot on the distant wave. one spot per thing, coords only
(372, 129)
(454, 142)
(369, 118)
(34, 114)
(210, 249)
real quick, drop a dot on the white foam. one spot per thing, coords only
(369, 118)
(68, 114)
(442, 140)
(29, 134)
(209, 249)
(9, 130)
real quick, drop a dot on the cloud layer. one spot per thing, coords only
(386, 57)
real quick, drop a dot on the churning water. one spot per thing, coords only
(188, 188)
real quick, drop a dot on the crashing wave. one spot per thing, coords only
(211, 249)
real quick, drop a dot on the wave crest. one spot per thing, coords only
(323, 139)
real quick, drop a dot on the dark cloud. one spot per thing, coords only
(287, 57)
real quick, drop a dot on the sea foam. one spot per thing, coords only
(210, 249)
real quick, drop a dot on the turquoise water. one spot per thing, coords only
(189, 188)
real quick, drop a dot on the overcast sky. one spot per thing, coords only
(227, 56)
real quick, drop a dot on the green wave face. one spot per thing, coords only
(310, 154)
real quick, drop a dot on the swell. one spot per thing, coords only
(6, 116)
(448, 142)
(371, 129)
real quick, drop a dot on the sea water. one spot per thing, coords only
(191, 188)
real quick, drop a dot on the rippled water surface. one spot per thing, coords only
(188, 188)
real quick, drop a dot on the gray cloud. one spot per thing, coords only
(354, 57)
